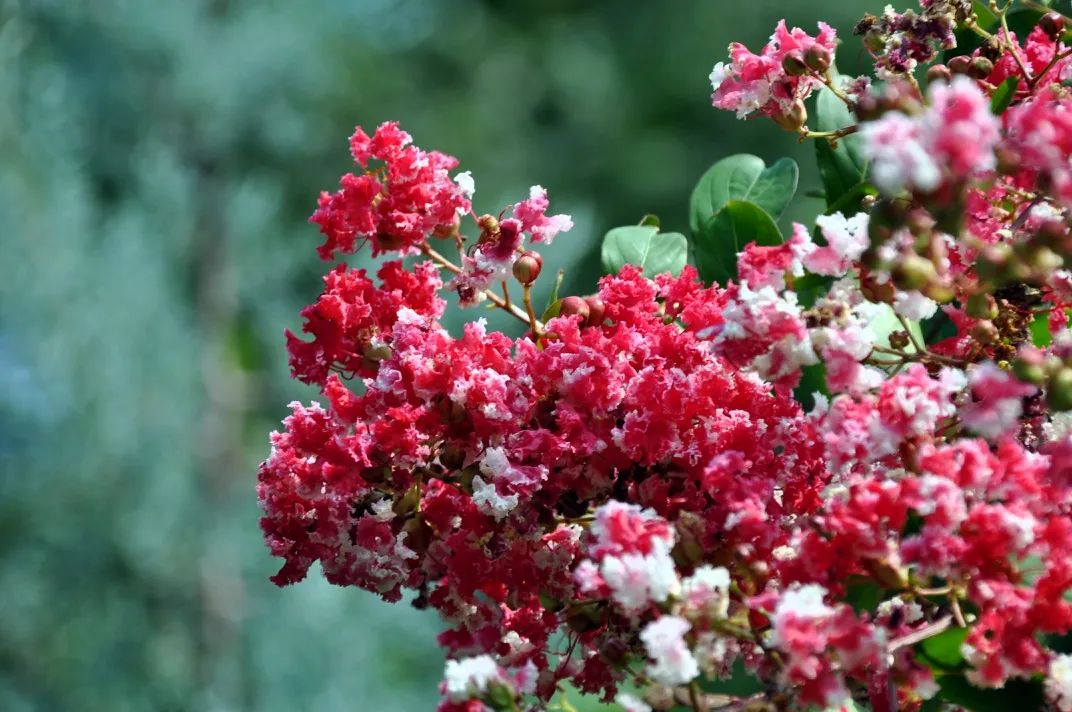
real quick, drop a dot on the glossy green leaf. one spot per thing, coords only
(643, 245)
(718, 243)
(841, 167)
(944, 650)
(743, 177)
(1040, 331)
(553, 302)
(1015, 695)
(886, 322)
(986, 17)
(812, 381)
(1003, 95)
(650, 220)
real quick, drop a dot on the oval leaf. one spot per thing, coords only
(1003, 95)
(643, 245)
(743, 177)
(944, 650)
(718, 243)
(843, 168)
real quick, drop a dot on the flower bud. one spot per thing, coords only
(981, 68)
(584, 617)
(597, 310)
(981, 306)
(817, 58)
(794, 119)
(442, 232)
(939, 73)
(868, 107)
(992, 49)
(527, 267)
(574, 306)
(912, 272)
(1052, 233)
(1053, 24)
(961, 64)
(376, 351)
(1008, 160)
(793, 64)
(488, 223)
(1029, 371)
(985, 333)
(899, 339)
(452, 457)
(500, 697)
(875, 41)
(879, 293)
(1059, 390)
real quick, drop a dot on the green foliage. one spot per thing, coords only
(842, 167)
(643, 245)
(1004, 95)
(943, 651)
(742, 178)
(1015, 695)
(734, 226)
(1040, 330)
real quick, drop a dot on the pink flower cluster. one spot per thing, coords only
(753, 84)
(397, 205)
(631, 498)
(954, 136)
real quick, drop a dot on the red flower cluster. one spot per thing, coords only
(631, 495)
(396, 205)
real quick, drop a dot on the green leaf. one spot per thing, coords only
(943, 650)
(1016, 695)
(986, 17)
(864, 595)
(650, 220)
(735, 225)
(937, 328)
(643, 245)
(812, 381)
(1040, 331)
(842, 168)
(554, 305)
(886, 322)
(743, 177)
(1003, 95)
(849, 203)
(810, 287)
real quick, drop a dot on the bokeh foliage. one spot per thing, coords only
(157, 164)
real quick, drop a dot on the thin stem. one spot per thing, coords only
(494, 298)
(1012, 48)
(1057, 57)
(838, 92)
(942, 591)
(920, 348)
(537, 327)
(954, 604)
(914, 637)
(694, 696)
(830, 135)
(506, 294)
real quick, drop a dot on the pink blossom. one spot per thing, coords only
(672, 663)
(753, 83)
(951, 140)
(997, 401)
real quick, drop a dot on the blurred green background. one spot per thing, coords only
(157, 163)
